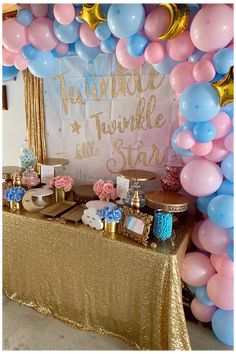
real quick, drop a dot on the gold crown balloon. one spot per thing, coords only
(179, 20)
(92, 15)
(225, 88)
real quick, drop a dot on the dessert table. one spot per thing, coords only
(97, 282)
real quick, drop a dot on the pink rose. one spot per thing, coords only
(103, 195)
(113, 194)
(108, 187)
(59, 183)
(98, 187)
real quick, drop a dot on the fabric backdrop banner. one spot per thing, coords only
(104, 118)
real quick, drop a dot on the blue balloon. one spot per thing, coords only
(193, 8)
(109, 45)
(9, 72)
(124, 20)
(56, 55)
(196, 56)
(202, 296)
(221, 210)
(137, 44)
(223, 326)
(166, 65)
(66, 33)
(223, 60)
(226, 188)
(86, 53)
(204, 132)
(102, 31)
(44, 65)
(182, 152)
(227, 167)
(24, 17)
(203, 202)
(199, 102)
(78, 7)
(29, 52)
(71, 49)
(229, 109)
(191, 288)
(188, 126)
(105, 9)
(217, 77)
(231, 233)
(231, 251)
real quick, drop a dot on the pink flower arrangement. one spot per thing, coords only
(62, 182)
(104, 190)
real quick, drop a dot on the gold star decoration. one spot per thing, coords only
(92, 15)
(225, 88)
(76, 127)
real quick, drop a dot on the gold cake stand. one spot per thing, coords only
(169, 202)
(53, 161)
(137, 176)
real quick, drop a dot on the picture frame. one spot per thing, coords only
(4, 97)
(135, 225)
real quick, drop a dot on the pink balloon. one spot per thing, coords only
(182, 76)
(181, 47)
(201, 177)
(64, 13)
(213, 259)
(41, 34)
(39, 10)
(8, 57)
(222, 123)
(195, 235)
(202, 312)
(185, 140)
(212, 27)
(196, 269)
(229, 142)
(213, 238)
(24, 6)
(149, 7)
(154, 53)
(204, 71)
(88, 36)
(221, 291)
(20, 62)
(126, 60)
(201, 149)
(156, 23)
(223, 265)
(61, 48)
(218, 152)
(208, 56)
(14, 36)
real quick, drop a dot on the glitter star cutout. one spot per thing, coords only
(76, 127)
(92, 15)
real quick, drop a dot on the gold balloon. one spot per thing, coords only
(179, 20)
(225, 88)
(92, 14)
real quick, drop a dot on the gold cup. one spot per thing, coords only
(110, 227)
(60, 195)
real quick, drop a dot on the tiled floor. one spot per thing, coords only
(26, 329)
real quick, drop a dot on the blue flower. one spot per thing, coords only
(10, 194)
(19, 193)
(15, 193)
(117, 214)
(109, 216)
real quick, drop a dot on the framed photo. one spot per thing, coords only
(4, 97)
(135, 225)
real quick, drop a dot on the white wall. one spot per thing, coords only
(13, 123)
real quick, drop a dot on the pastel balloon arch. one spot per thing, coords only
(193, 44)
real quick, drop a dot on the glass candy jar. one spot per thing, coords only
(30, 178)
(171, 181)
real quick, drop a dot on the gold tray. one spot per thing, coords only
(57, 208)
(75, 214)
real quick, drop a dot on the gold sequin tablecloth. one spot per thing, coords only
(94, 282)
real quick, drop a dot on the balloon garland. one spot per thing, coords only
(193, 44)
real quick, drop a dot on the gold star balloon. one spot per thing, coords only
(92, 15)
(179, 20)
(225, 88)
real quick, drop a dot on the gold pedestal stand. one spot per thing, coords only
(137, 176)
